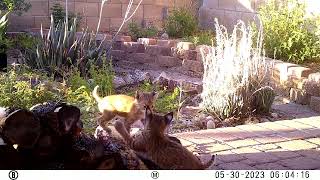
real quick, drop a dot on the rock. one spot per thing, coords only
(3, 113)
(140, 76)
(211, 124)
(118, 82)
(165, 36)
(262, 120)
(168, 61)
(194, 66)
(196, 100)
(190, 111)
(315, 103)
(147, 41)
(129, 78)
(163, 80)
(186, 46)
(91, 82)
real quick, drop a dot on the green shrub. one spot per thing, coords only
(202, 38)
(136, 31)
(18, 6)
(58, 14)
(103, 76)
(181, 23)
(240, 89)
(17, 90)
(167, 101)
(288, 34)
(26, 43)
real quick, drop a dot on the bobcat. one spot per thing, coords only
(130, 108)
(161, 149)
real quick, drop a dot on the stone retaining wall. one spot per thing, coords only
(150, 11)
(299, 83)
(159, 53)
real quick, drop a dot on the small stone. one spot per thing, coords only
(2, 113)
(129, 79)
(264, 120)
(147, 41)
(91, 81)
(315, 103)
(211, 124)
(165, 36)
(118, 82)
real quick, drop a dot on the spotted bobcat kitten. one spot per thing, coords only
(166, 153)
(130, 108)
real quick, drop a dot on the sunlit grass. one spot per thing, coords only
(235, 74)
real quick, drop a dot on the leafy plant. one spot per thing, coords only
(59, 15)
(61, 48)
(26, 43)
(17, 6)
(235, 75)
(202, 38)
(136, 31)
(181, 23)
(103, 76)
(167, 101)
(20, 89)
(288, 34)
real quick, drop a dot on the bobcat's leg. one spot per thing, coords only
(104, 119)
(120, 127)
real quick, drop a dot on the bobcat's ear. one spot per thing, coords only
(137, 96)
(168, 117)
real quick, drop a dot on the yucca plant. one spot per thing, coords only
(235, 75)
(61, 47)
(3, 29)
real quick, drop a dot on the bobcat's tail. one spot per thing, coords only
(95, 94)
(211, 162)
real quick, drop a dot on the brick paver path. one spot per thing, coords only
(289, 144)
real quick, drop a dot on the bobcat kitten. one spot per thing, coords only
(159, 148)
(131, 108)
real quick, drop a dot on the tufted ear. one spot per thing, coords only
(168, 117)
(22, 128)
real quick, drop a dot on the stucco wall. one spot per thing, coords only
(113, 12)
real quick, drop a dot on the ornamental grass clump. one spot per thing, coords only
(236, 75)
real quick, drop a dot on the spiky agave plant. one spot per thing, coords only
(61, 48)
(235, 75)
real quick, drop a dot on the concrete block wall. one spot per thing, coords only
(150, 11)
(229, 12)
